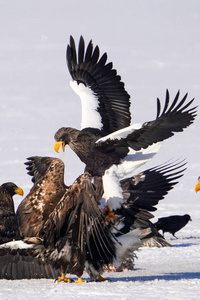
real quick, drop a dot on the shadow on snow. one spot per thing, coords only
(167, 277)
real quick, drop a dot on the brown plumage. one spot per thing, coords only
(48, 188)
(75, 223)
(57, 223)
(48, 178)
(8, 220)
(16, 263)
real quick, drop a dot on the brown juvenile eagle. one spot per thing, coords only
(107, 141)
(56, 223)
(13, 263)
(49, 187)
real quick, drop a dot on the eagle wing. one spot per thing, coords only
(172, 119)
(143, 191)
(105, 102)
(77, 218)
(46, 192)
(18, 261)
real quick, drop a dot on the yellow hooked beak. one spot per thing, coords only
(197, 187)
(57, 146)
(19, 191)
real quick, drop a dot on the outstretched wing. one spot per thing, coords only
(77, 218)
(105, 102)
(17, 261)
(172, 119)
(142, 193)
(38, 166)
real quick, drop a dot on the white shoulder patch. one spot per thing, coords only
(120, 134)
(89, 103)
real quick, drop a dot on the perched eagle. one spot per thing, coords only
(8, 220)
(172, 224)
(14, 263)
(107, 141)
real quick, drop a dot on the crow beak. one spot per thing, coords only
(57, 146)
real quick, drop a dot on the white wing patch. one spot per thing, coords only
(120, 134)
(89, 103)
(113, 196)
(128, 243)
(15, 245)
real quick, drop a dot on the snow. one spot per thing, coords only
(154, 45)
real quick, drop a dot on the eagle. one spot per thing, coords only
(13, 263)
(8, 220)
(76, 233)
(133, 227)
(55, 222)
(48, 177)
(172, 224)
(108, 144)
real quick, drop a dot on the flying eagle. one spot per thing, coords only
(107, 141)
(8, 220)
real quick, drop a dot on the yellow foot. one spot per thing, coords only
(109, 214)
(63, 278)
(80, 280)
(100, 278)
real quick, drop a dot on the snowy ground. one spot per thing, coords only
(154, 45)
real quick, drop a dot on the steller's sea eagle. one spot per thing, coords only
(141, 194)
(107, 142)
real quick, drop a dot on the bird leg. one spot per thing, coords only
(100, 278)
(80, 280)
(175, 236)
(63, 278)
(109, 214)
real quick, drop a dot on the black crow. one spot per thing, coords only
(172, 224)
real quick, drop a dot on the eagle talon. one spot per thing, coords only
(109, 214)
(100, 278)
(63, 278)
(80, 280)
